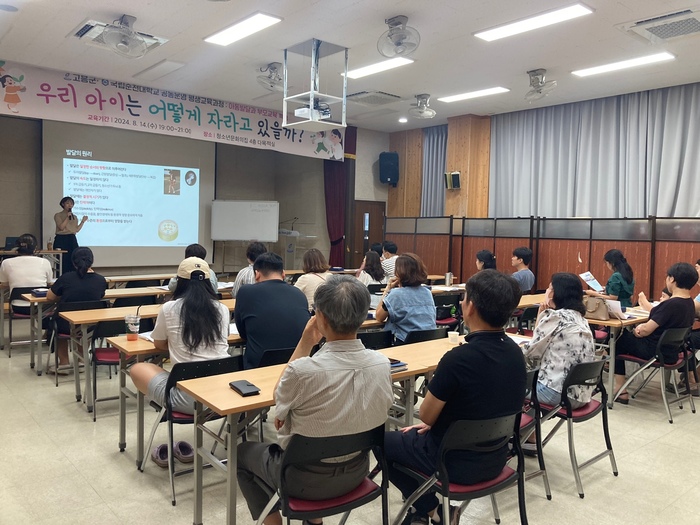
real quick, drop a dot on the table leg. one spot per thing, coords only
(198, 463)
(231, 468)
(88, 368)
(2, 318)
(140, 407)
(76, 361)
(410, 394)
(39, 343)
(614, 335)
(122, 401)
(33, 306)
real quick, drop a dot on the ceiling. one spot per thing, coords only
(450, 59)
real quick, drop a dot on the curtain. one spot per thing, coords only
(432, 202)
(624, 156)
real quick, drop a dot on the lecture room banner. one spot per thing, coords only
(29, 91)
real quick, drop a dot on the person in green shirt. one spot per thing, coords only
(620, 286)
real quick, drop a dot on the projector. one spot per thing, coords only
(313, 114)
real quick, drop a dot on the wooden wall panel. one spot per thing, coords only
(404, 200)
(406, 242)
(557, 255)
(638, 255)
(668, 253)
(435, 252)
(471, 246)
(456, 259)
(504, 247)
(468, 150)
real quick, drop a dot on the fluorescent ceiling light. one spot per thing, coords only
(474, 94)
(403, 120)
(535, 22)
(379, 67)
(641, 61)
(242, 29)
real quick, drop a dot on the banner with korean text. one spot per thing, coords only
(30, 91)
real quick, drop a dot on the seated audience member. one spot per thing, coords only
(193, 326)
(81, 285)
(620, 286)
(372, 271)
(316, 272)
(247, 274)
(377, 248)
(490, 366)
(389, 251)
(562, 338)
(343, 389)
(25, 270)
(199, 251)
(521, 261)
(406, 305)
(647, 305)
(270, 314)
(676, 312)
(485, 260)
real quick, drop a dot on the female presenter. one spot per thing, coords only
(66, 227)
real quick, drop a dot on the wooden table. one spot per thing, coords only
(55, 257)
(533, 299)
(214, 393)
(81, 320)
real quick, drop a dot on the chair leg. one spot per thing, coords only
(543, 468)
(446, 510)
(149, 444)
(171, 462)
(572, 456)
(413, 497)
(608, 443)
(645, 382)
(93, 364)
(521, 499)
(664, 397)
(270, 505)
(9, 333)
(494, 505)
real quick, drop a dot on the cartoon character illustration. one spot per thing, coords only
(320, 139)
(336, 149)
(12, 86)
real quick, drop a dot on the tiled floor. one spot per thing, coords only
(60, 467)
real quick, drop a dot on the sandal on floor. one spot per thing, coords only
(160, 455)
(183, 452)
(454, 514)
(623, 400)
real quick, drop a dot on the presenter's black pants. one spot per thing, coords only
(69, 243)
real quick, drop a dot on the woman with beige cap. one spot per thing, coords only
(192, 327)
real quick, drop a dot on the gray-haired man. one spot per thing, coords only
(343, 389)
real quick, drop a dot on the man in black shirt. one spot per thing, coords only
(269, 314)
(482, 379)
(676, 312)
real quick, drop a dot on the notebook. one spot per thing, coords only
(591, 281)
(397, 366)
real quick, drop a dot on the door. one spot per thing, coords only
(368, 228)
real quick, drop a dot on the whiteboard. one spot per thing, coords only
(245, 220)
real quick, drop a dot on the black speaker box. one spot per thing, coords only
(389, 167)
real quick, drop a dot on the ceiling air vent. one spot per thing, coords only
(667, 27)
(90, 32)
(373, 98)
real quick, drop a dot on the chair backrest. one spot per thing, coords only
(531, 383)
(17, 293)
(196, 369)
(671, 342)
(418, 336)
(585, 374)
(376, 340)
(446, 299)
(276, 356)
(529, 314)
(108, 329)
(374, 288)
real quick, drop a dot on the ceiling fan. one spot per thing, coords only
(539, 87)
(123, 40)
(273, 80)
(400, 40)
(420, 109)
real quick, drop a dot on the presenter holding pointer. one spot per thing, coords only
(67, 225)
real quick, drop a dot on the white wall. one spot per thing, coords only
(369, 145)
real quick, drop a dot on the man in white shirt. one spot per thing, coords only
(343, 389)
(389, 251)
(247, 274)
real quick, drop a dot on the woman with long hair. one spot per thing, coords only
(193, 326)
(562, 338)
(620, 286)
(485, 260)
(406, 305)
(81, 285)
(372, 271)
(316, 272)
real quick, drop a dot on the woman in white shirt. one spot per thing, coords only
(315, 274)
(372, 271)
(562, 338)
(192, 327)
(25, 270)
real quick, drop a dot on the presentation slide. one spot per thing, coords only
(146, 196)
(134, 204)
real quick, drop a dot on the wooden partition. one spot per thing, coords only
(675, 240)
(477, 235)
(428, 237)
(563, 245)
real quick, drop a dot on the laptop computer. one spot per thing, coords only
(10, 243)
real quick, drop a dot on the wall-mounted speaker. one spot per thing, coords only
(389, 167)
(452, 180)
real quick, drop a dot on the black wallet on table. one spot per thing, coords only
(244, 388)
